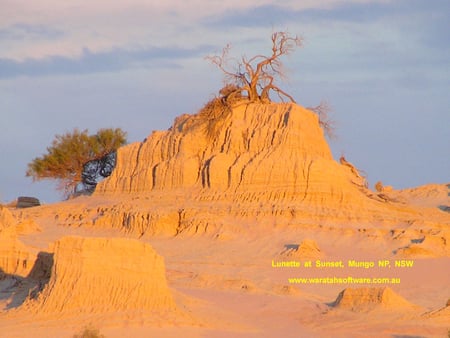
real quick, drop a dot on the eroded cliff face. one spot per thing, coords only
(15, 257)
(258, 152)
(260, 165)
(368, 299)
(94, 275)
(267, 163)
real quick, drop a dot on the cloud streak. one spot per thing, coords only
(24, 31)
(89, 62)
(346, 11)
(37, 29)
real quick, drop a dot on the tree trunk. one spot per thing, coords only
(253, 93)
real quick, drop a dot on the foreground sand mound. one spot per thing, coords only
(430, 195)
(443, 313)
(11, 226)
(437, 245)
(307, 249)
(6, 218)
(367, 299)
(15, 257)
(92, 275)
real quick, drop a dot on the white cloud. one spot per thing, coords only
(103, 25)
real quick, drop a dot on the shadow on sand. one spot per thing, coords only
(17, 289)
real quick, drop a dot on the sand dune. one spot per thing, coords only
(442, 313)
(194, 181)
(219, 209)
(15, 257)
(6, 218)
(366, 299)
(91, 275)
(430, 195)
(307, 249)
(432, 245)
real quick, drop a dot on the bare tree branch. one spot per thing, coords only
(328, 125)
(260, 71)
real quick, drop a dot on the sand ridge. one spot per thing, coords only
(91, 275)
(187, 227)
(366, 299)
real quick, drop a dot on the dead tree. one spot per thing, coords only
(328, 125)
(256, 76)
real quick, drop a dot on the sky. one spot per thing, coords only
(383, 66)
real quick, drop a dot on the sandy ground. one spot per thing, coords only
(254, 232)
(227, 286)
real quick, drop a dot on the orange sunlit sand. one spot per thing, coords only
(247, 228)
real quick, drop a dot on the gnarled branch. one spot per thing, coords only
(259, 71)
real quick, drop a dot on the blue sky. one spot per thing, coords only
(383, 66)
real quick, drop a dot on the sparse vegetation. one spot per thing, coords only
(215, 111)
(78, 158)
(328, 125)
(379, 186)
(257, 75)
(89, 332)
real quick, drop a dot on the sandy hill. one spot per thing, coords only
(15, 256)
(259, 161)
(257, 152)
(264, 163)
(222, 199)
(91, 275)
(431, 195)
(307, 249)
(6, 218)
(367, 299)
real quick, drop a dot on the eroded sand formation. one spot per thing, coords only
(6, 218)
(307, 249)
(92, 275)
(259, 153)
(219, 200)
(367, 299)
(15, 257)
(265, 163)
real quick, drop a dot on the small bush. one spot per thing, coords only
(89, 332)
(379, 186)
(328, 125)
(215, 111)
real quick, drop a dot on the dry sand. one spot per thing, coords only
(179, 251)
(224, 284)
